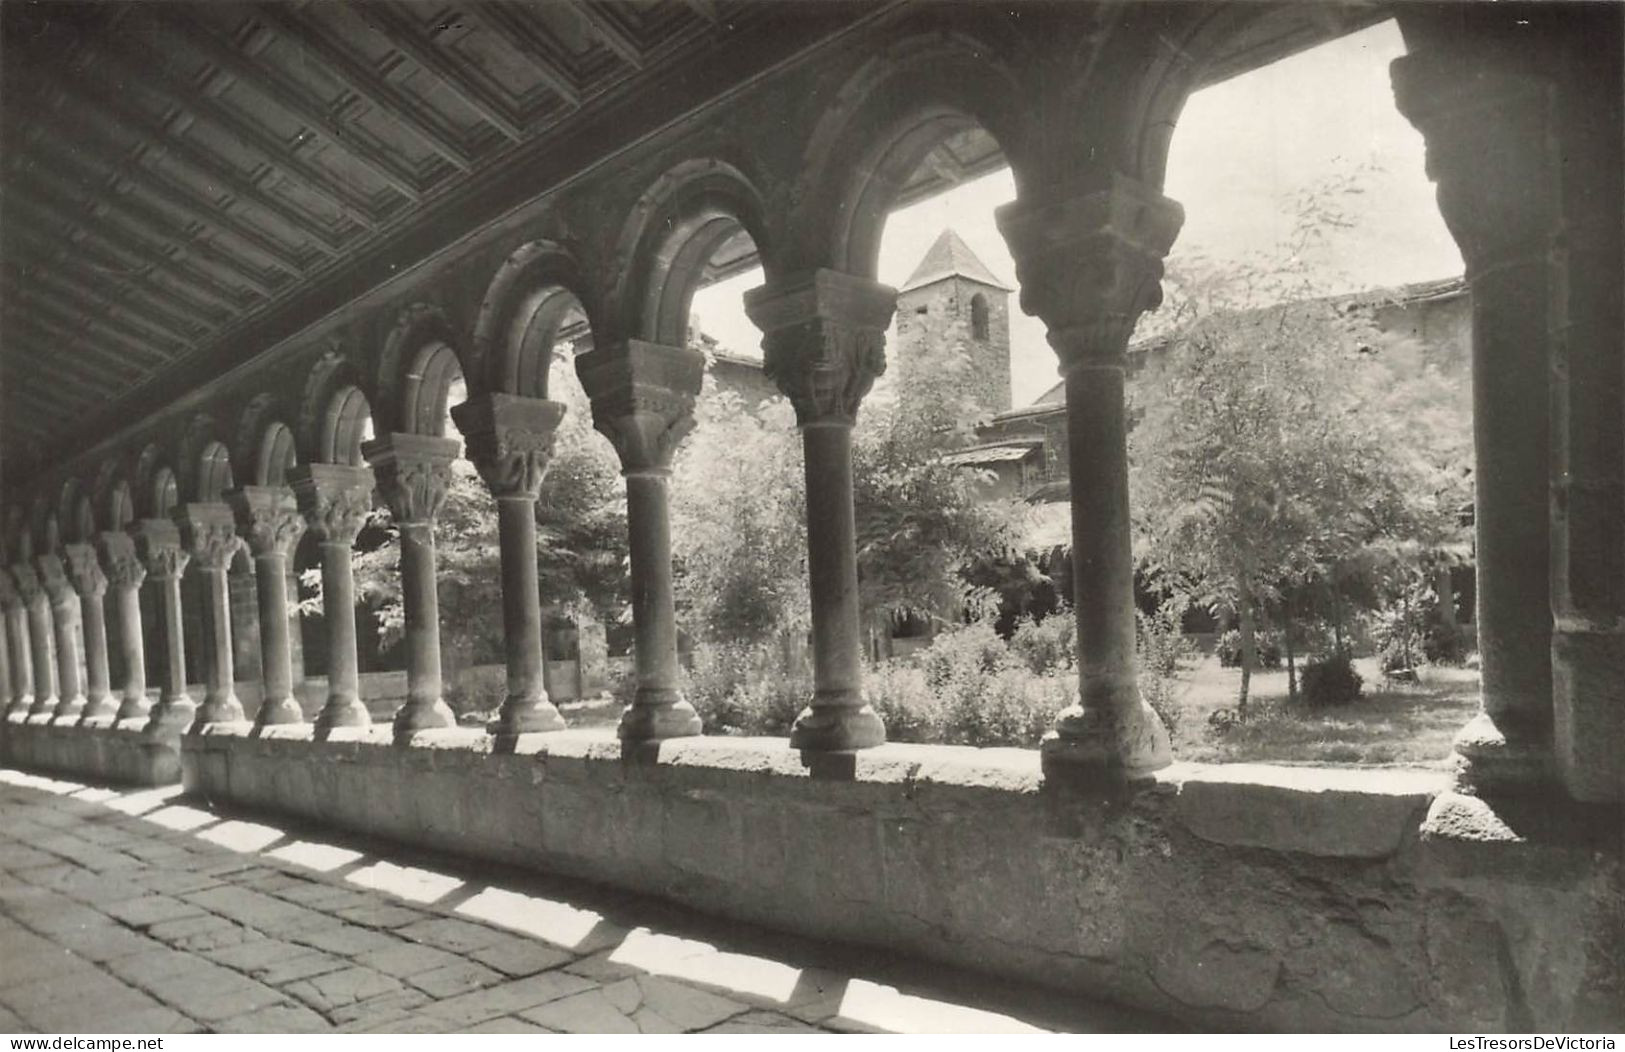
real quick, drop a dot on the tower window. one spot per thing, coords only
(978, 316)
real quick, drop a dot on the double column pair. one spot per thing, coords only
(1526, 155)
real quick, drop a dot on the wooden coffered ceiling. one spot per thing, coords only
(171, 170)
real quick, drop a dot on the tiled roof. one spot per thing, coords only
(950, 257)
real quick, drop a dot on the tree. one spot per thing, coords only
(1279, 452)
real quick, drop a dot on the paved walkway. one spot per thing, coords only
(136, 911)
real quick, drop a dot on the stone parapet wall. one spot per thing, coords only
(1241, 896)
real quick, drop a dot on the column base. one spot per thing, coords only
(1104, 746)
(278, 712)
(130, 708)
(417, 716)
(20, 707)
(341, 711)
(1588, 713)
(42, 707)
(68, 711)
(656, 716)
(520, 715)
(221, 710)
(1495, 754)
(171, 716)
(97, 708)
(838, 728)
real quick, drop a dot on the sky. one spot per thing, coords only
(1242, 149)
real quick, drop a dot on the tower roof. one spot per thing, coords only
(950, 257)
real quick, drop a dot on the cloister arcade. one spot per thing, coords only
(258, 436)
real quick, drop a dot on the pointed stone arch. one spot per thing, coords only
(421, 356)
(530, 297)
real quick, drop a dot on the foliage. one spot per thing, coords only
(1164, 655)
(1267, 649)
(1049, 645)
(1331, 680)
(1283, 443)
(739, 530)
(744, 688)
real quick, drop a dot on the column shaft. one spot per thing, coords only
(127, 601)
(344, 707)
(276, 656)
(40, 632)
(654, 609)
(420, 595)
(65, 619)
(527, 706)
(98, 696)
(220, 703)
(832, 571)
(22, 662)
(175, 709)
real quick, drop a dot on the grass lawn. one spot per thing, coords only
(1398, 724)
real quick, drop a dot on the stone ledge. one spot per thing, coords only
(1249, 896)
(1328, 812)
(100, 750)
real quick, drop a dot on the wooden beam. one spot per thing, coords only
(189, 206)
(75, 289)
(45, 356)
(118, 246)
(379, 93)
(90, 341)
(604, 27)
(226, 57)
(401, 34)
(706, 9)
(542, 56)
(91, 144)
(76, 319)
(145, 66)
(206, 164)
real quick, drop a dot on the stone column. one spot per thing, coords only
(38, 610)
(414, 473)
(64, 603)
(1089, 265)
(268, 517)
(209, 531)
(510, 441)
(335, 499)
(20, 685)
(824, 343)
(1488, 127)
(643, 401)
(1588, 415)
(88, 580)
(159, 543)
(125, 573)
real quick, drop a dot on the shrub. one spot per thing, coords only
(1447, 644)
(899, 693)
(957, 653)
(1163, 652)
(1331, 681)
(1046, 646)
(745, 689)
(1268, 644)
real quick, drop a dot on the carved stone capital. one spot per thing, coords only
(414, 473)
(334, 498)
(1091, 264)
(29, 586)
(85, 570)
(268, 518)
(823, 340)
(209, 532)
(159, 543)
(510, 440)
(642, 399)
(120, 561)
(53, 578)
(1488, 129)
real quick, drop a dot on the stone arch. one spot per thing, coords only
(76, 513)
(16, 536)
(417, 365)
(670, 236)
(528, 300)
(265, 446)
(897, 107)
(144, 481)
(334, 414)
(44, 528)
(118, 507)
(166, 492)
(203, 460)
